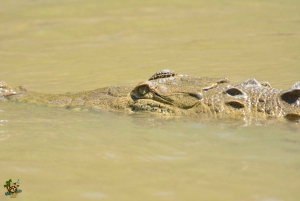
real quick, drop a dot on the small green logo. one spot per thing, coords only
(12, 188)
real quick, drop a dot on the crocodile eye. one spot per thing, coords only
(143, 90)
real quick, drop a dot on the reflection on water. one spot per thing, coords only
(77, 45)
(62, 154)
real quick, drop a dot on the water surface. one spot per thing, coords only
(65, 46)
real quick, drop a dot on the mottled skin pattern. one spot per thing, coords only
(206, 97)
(167, 93)
(249, 102)
(104, 98)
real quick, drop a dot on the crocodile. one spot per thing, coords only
(170, 94)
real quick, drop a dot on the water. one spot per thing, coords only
(61, 46)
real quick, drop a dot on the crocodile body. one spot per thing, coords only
(167, 93)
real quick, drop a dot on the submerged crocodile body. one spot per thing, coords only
(168, 93)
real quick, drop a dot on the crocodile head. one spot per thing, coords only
(171, 94)
(162, 93)
(168, 93)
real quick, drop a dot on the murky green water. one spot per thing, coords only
(61, 46)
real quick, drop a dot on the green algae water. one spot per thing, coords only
(67, 46)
